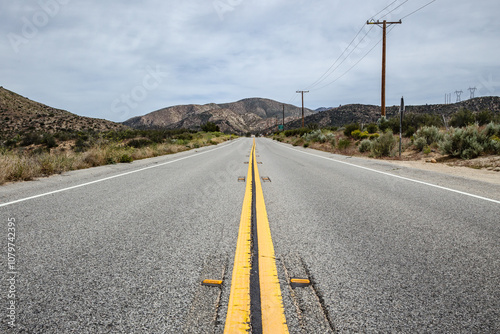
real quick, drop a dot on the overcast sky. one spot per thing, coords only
(118, 59)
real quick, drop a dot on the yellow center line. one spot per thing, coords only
(273, 314)
(238, 312)
(272, 310)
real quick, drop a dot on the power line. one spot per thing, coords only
(350, 68)
(395, 8)
(386, 8)
(326, 75)
(418, 9)
(329, 72)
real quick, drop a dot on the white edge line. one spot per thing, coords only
(396, 176)
(111, 177)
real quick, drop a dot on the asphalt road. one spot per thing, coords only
(123, 248)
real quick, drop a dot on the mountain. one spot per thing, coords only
(322, 109)
(247, 115)
(361, 113)
(19, 114)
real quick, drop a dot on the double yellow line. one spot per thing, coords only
(238, 317)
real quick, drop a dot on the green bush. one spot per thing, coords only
(126, 158)
(374, 136)
(466, 143)
(420, 143)
(462, 118)
(315, 136)
(330, 138)
(210, 127)
(297, 132)
(372, 128)
(349, 128)
(365, 146)
(383, 124)
(484, 117)
(356, 134)
(429, 134)
(343, 143)
(492, 129)
(138, 143)
(494, 145)
(384, 145)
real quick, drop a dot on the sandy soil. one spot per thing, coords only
(485, 169)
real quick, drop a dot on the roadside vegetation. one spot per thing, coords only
(465, 135)
(30, 155)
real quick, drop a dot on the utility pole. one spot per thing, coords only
(283, 117)
(472, 90)
(459, 93)
(384, 48)
(302, 92)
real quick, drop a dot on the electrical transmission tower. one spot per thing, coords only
(472, 90)
(384, 47)
(459, 93)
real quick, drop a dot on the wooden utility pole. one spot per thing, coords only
(283, 117)
(302, 92)
(384, 46)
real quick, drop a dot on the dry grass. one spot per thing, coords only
(26, 166)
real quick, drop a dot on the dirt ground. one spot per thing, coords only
(485, 168)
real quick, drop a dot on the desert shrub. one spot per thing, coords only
(365, 146)
(374, 136)
(349, 128)
(492, 129)
(466, 143)
(31, 138)
(210, 127)
(315, 136)
(430, 134)
(484, 117)
(138, 143)
(420, 143)
(81, 145)
(298, 142)
(494, 145)
(355, 134)
(330, 138)
(410, 131)
(126, 158)
(384, 145)
(49, 141)
(188, 136)
(343, 143)
(372, 128)
(297, 132)
(462, 118)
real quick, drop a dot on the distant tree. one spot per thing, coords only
(484, 117)
(210, 127)
(462, 118)
(349, 128)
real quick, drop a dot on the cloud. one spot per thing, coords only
(89, 54)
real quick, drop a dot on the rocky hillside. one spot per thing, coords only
(369, 113)
(19, 114)
(247, 115)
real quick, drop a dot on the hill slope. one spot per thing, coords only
(247, 115)
(369, 113)
(19, 114)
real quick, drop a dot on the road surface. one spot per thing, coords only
(124, 248)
